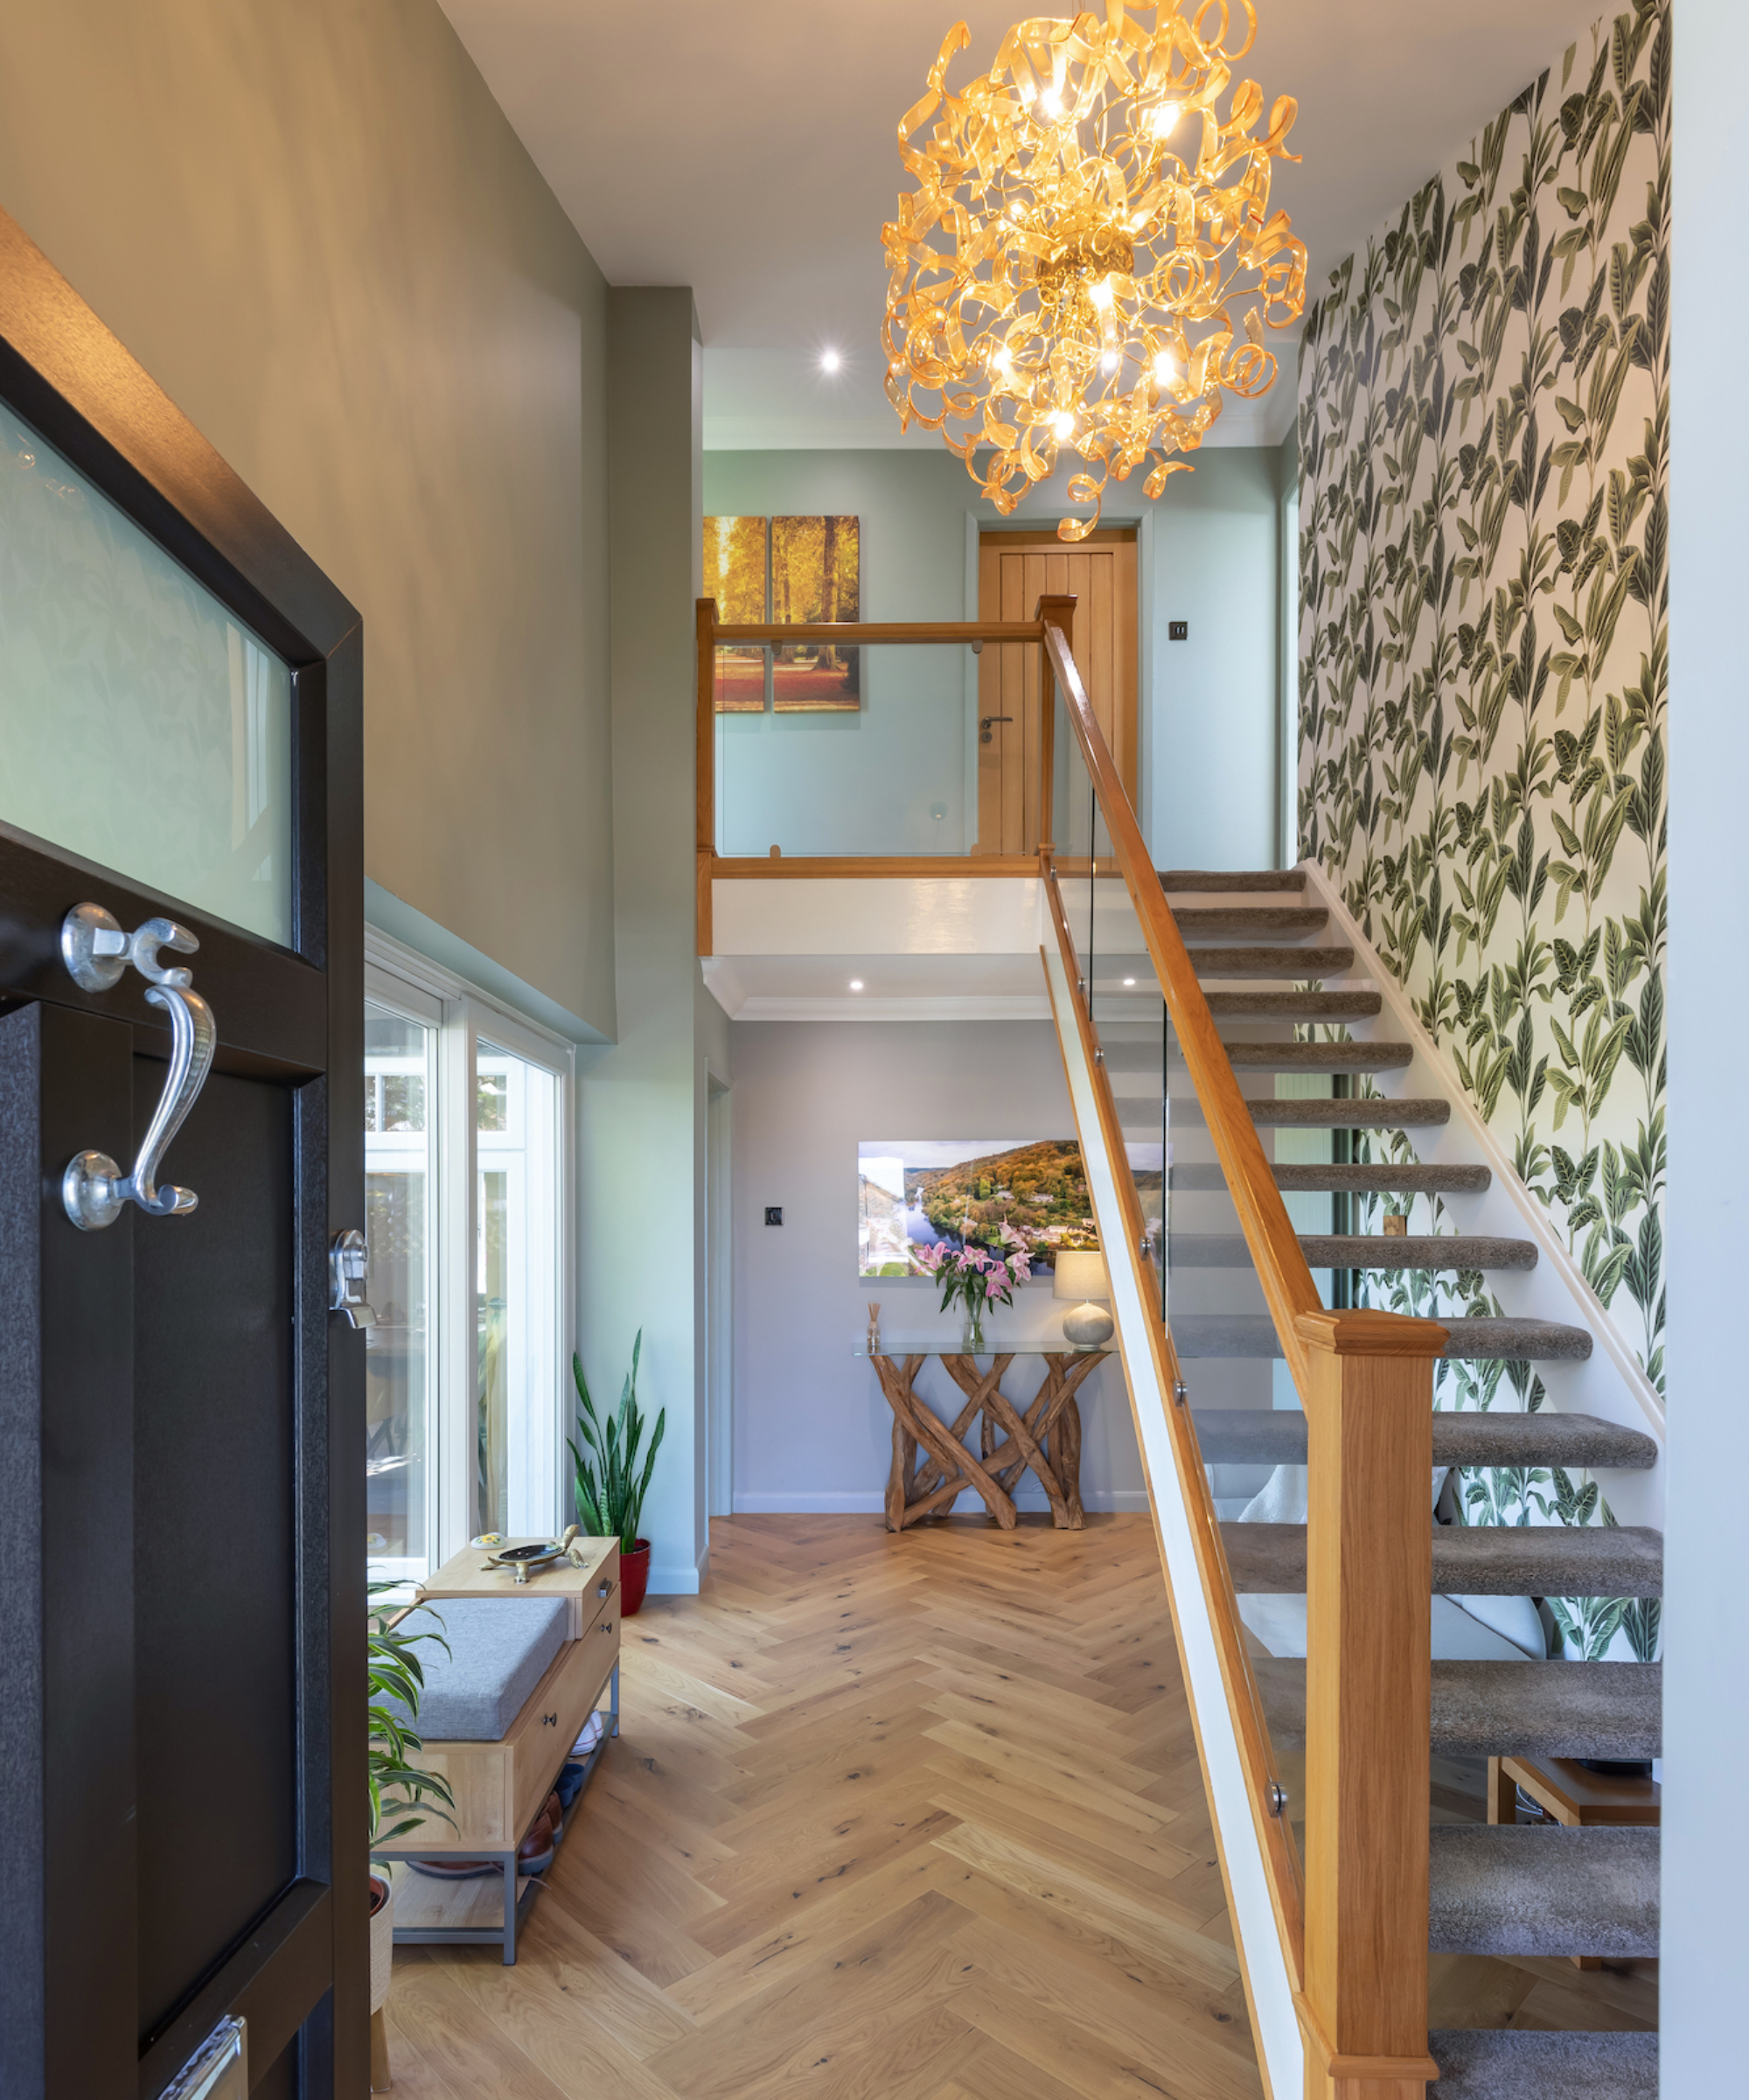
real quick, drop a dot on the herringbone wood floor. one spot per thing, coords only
(900, 1819)
(888, 1817)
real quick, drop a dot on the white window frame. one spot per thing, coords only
(397, 975)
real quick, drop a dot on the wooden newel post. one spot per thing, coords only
(705, 822)
(1368, 1582)
(1058, 611)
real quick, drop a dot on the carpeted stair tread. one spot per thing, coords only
(1482, 1560)
(1504, 1709)
(1228, 922)
(1276, 1436)
(1549, 1709)
(1521, 2063)
(1231, 882)
(1538, 1889)
(1318, 1056)
(1386, 1180)
(1365, 1181)
(1471, 1341)
(1361, 1250)
(1294, 1006)
(1350, 1115)
(1295, 964)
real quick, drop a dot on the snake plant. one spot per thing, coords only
(610, 1500)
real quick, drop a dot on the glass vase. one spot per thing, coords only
(971, 1330)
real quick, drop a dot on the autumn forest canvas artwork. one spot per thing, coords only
(789, 572)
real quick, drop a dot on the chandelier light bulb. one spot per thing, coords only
(1047, 226)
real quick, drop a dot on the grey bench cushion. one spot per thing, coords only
(500, 1648)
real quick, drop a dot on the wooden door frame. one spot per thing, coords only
(304, 1963)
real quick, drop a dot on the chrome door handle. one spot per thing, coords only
(97, 952)
(349, 1256)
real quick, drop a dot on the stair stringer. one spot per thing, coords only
(1611, 1383)
(1264, 1961)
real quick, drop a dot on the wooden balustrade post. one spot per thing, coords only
(1368, 1580)
(705, 822)
(1055, 611)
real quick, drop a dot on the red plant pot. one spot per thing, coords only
(634, 1576)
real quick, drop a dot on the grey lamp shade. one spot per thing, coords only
(1080, 1275)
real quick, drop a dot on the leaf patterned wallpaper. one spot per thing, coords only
(1484, 425)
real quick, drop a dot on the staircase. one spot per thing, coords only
(1495, 1889)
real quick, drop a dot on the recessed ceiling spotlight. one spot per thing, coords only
(856, 984)
(1128, 981)
(830, 360)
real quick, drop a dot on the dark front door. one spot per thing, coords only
(183, 1834)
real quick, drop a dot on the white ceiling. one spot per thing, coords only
(749, 149)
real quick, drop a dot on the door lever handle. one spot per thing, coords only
(97, 952)
(349, 1258)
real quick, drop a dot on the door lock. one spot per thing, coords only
(348, 1259)
(985, 734)
(97, 953)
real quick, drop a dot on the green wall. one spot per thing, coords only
(316, 230)
(868, 782)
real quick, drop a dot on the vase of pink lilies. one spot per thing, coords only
(978, 1276)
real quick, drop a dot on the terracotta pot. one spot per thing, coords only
(634, 1574)
(382, 1940)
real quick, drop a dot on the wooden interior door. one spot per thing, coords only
(1014, 570)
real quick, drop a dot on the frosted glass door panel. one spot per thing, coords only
(140, 725)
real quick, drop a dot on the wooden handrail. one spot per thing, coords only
(1366, 1383)
(917, 866)
(848, 634)
(1281, 1266)
(1244, 1699)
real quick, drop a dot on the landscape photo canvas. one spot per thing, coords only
(816, 578)
(917, 1192)
(735, 574)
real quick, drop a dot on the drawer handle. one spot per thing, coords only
(549, 1720)
(604, 1588)
(606, 1625)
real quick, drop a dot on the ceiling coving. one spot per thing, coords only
(1085, 223)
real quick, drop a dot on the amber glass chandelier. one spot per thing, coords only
(1085, 224)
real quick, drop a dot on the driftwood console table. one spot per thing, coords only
(1045, 1439)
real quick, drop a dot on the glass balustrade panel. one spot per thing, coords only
(877, 751)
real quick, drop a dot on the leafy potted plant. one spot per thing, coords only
(398, 1789)
(610, 1503)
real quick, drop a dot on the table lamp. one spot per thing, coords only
(1081, 1278)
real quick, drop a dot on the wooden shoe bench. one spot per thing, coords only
(501, 1788)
